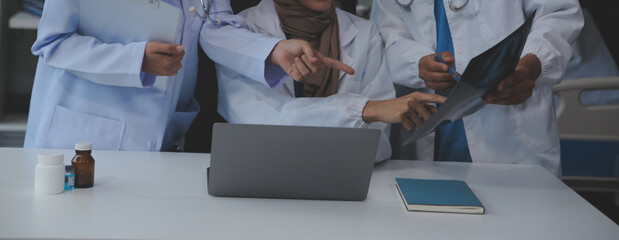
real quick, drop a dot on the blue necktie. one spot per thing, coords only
(450, 140)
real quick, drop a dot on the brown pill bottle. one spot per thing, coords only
(83, 165)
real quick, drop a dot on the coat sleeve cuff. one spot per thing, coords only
(357, 112)
(274, 75)
(141, 79)
(545, 58)
(148, 80)
(410, 77)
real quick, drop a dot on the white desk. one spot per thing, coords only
(144, 195)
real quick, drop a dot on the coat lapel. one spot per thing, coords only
(348, 32)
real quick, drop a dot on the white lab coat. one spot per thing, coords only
(88, 90)
(244, 101)
(526, 133)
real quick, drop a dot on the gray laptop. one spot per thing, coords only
(269, 161)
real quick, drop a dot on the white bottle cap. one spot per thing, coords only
(51, 159)
(83, 146)
(49, 173)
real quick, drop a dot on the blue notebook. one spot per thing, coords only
(451, 196)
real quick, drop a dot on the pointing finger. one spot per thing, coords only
(330, 62)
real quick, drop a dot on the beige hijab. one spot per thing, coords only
(321, 30)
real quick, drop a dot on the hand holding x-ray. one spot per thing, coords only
(435, 74)
(479, 81)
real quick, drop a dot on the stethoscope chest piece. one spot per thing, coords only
(457, 5)
(405, 3)
(206, 7)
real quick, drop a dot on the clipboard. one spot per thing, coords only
(126, 21)
(481, 76)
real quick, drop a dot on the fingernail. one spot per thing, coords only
(179, 48)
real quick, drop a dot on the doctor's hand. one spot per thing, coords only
(162, 59)
(410, 110)
(299, 59)
(518, 86)
(435, 74)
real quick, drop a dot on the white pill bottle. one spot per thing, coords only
(49, 174)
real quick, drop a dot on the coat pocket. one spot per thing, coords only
(68, 126)
(536, 123)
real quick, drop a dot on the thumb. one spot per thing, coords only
(167, 48)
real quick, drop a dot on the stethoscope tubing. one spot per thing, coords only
(408, 3)
(206, 7)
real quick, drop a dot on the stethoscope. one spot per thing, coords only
(453, 6)
(206, 7)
